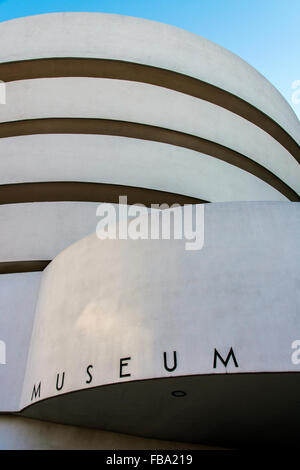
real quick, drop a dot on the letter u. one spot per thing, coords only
(170, 369)
(59, 387)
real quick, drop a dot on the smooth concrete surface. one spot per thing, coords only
(127, 161)
(78, 97)
(104, 300)
(146, 42)
(39, 231)
(18, 433)
(18, 295)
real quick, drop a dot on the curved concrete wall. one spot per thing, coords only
(258, 276)
(180, 116)
(89, 117)
(145, 318)
(18, 295)
(141, 41)
(146, 104)
(182, 91)
(113, 160)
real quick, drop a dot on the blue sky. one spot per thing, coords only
(265, 33)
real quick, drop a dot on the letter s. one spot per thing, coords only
(90, 375)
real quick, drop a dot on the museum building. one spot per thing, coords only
(142, 343)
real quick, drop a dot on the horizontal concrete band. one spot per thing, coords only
(11, 267)
(122, 70)
(145, 132)
(129, 162)
(134, 102)
(92, 192)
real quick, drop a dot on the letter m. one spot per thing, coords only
(36, 391)
(225, 362)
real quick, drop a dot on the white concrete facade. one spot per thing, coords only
(60, 158)
(90, 132)
(145, 42)
(146, 104)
